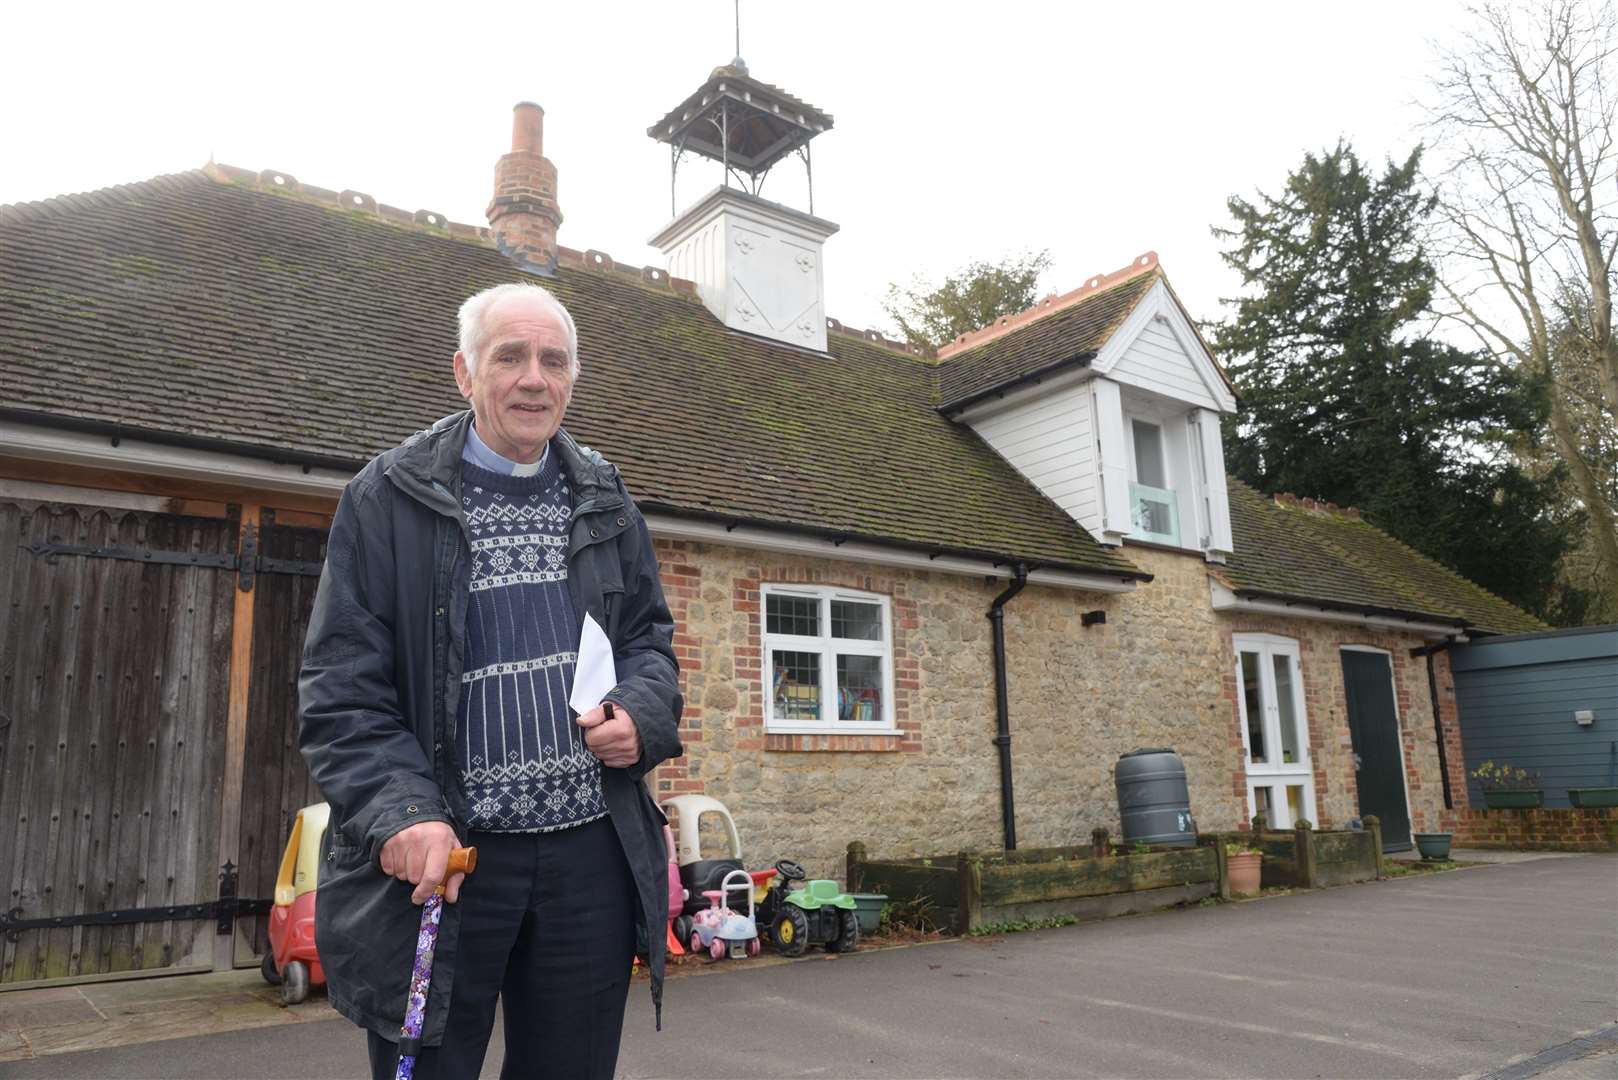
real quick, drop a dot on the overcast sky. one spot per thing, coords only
(963, 130)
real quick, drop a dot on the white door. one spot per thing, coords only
(1275, 732)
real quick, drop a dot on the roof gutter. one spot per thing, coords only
(105, 446)
(1259, 601)
(117, 433)
(954, 408)
(100, 445)
(676, 523)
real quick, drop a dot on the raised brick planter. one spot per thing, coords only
(1550, 829)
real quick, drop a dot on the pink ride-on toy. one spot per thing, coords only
(719, 930)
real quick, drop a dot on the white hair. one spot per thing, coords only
(474, 335)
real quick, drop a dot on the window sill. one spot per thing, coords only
(839, 743)
(1131, 540)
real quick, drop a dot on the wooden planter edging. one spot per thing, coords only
(972, 890)
(1304, 858)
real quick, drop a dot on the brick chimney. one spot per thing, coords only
(523, 213)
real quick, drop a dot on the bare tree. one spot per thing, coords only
(1525, 114)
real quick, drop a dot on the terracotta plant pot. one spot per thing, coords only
(1246, 870)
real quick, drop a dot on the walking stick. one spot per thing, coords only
(461, 861)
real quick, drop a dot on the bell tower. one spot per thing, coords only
(756, 263)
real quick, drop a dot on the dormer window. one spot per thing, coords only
(1127, 443)
(1153, 506)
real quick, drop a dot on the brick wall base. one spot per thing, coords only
(1557, 829)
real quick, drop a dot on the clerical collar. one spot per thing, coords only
(478, 453)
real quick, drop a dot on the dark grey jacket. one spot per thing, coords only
(380, 686)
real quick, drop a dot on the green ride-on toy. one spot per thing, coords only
(818, 912)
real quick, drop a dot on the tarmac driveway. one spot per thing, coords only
(1456, 974)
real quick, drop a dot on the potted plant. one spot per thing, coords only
(1245, 867)
(1434, 846)
(1507, 787)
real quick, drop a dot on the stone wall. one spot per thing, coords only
(1159, 672)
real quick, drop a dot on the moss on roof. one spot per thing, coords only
(1290, 551)
(1070, 334)
(184, 306)
(216, 311)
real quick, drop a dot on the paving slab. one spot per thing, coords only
(45, 1008)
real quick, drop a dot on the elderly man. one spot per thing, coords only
(435, 685)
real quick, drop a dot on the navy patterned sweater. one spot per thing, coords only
(522, 759)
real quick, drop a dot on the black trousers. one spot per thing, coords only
(548, 929)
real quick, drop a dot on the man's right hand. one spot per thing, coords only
(420, 855)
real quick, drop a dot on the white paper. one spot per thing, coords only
(594, 674)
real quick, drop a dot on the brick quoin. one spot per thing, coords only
(682, 578)
(681, 584)
(745, 600)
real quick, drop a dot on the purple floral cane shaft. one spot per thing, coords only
(421, 977)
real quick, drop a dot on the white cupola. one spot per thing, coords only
(756, 264)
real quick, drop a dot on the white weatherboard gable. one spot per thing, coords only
(1158, 350)
(1070, 435)
(756, 264)
(1050, 439)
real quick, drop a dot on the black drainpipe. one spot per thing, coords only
(1438, 724)
(1002, 738)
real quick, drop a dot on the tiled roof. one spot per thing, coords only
(274, 325)
(1069, 335)
(280, 326)
(1294, 552)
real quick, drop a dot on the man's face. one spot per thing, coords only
(523, 381)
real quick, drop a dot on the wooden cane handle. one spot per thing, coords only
(462, 860)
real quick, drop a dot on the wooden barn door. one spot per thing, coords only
(275, 784)
(115, 645)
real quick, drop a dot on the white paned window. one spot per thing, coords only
(1154, 511)
(1275, 733)
(828, 661)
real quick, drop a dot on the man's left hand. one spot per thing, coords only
(617, 741)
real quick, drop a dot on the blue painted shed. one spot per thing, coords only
(1520, 697)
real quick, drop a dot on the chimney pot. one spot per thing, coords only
(527, 129)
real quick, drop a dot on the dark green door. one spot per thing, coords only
(1373, 723)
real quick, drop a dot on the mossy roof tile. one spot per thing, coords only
(1068, 335)
(1290, 551)
(187, 306)
(278, 325)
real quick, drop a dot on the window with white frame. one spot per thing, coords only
(828, 660)
(1154, 509)
(1275, 731)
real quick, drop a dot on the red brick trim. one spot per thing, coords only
(682, 583)
(746, 599)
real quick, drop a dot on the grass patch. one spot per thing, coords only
(1402, 868)
(1017, 926)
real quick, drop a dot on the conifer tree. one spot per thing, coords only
(1346, 396)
